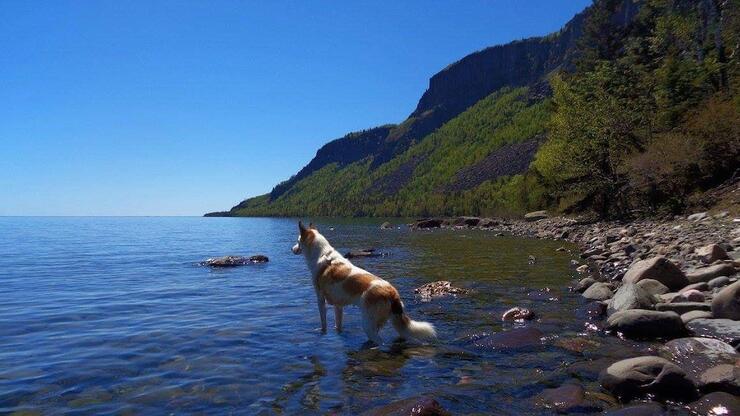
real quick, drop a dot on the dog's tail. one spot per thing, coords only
(406, 328)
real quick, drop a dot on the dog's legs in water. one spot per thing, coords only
(370, 326)
(338, 317)
(322, 311)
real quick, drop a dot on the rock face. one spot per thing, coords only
(642, 376)
(726, 304)
(640, 323)
(711, 253)
(705, 274)
(416, 406)
(657, 268)
(234, 261)
(598, 291)
(725, 330)
(630, 296)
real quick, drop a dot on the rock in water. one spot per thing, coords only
(598, 291)
(439, 289)
(658, 268)
(642, 376)
(569, 398)
(512, 339)
(696, 355)
(725, 330)
(630, 296)
(414, 406)
(723, 377)
(726, 303)
(716, 404)
(641, 323)
(386, 226)
(518, 314)
(363, 252)
(234, 261)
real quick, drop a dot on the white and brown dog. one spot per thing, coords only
(340, 283)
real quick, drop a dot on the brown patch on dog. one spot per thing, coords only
(332, 273)
(381, 293)
(308, 237)
(357, 284)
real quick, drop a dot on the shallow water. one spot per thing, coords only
(113, 315)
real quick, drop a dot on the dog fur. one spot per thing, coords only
(340, 283)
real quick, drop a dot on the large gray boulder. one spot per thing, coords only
(648, 375)
(630, 296)
(598, 291)
(653, 286)
(725, 330)
(726, 303)
(711, 253)
(696, 355)
(682, 307)
(657, 268)
(641, 323)
(705, 274)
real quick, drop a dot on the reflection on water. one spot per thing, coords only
(113, 315)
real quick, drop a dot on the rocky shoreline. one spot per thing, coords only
(673, 282)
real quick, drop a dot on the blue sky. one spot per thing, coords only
(183, 107)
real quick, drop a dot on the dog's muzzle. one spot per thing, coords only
(296, 249)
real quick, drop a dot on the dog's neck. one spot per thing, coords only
(319, 254)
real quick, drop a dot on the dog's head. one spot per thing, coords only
(306, 237)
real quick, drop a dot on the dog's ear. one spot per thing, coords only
(302, 229)
(311, 226)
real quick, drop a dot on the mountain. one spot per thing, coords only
(482, 139)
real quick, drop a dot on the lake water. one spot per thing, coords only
(114, 315)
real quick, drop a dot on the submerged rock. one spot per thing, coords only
(234, 261)
(518, 314)
(512, 339)
(413, 406)
(568, 398)
(648, 375)
(439, 289)
(364, 252)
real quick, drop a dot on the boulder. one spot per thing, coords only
(648, 375)
(507, 340)
(723, 377)
(701, 286)
(711, 253)
(364, 252)
(716, 404)
(718, 282)
(653, 286)
(234, 261)
(690, 316)
(518, 314)
(698, 216)
(641, 323)
(598, 291)
(692, 295)
(535, 216)
(726, 303)
(630, 296)
(643, 409)
(466, 221)
(657, 268)
(568, 398)
(705, 274)
(725, 330)
(696, 355)
(427, 223)
(438, 289)
(584, 284)
(386, 226)
(414, 406)
(682, 307)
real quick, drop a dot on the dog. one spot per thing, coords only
(340, 283)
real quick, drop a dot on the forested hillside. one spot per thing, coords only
(631, 109)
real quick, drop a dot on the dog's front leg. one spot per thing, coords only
(338, 317)
(322, 311)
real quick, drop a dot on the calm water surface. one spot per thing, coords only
(114, 315)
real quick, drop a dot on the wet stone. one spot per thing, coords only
(716, 404)
(414, 406)
(512, 339)
(696, 355)
(725, 330)
(568, 398)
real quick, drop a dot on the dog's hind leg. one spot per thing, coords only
(338, 313)
(370, 325)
